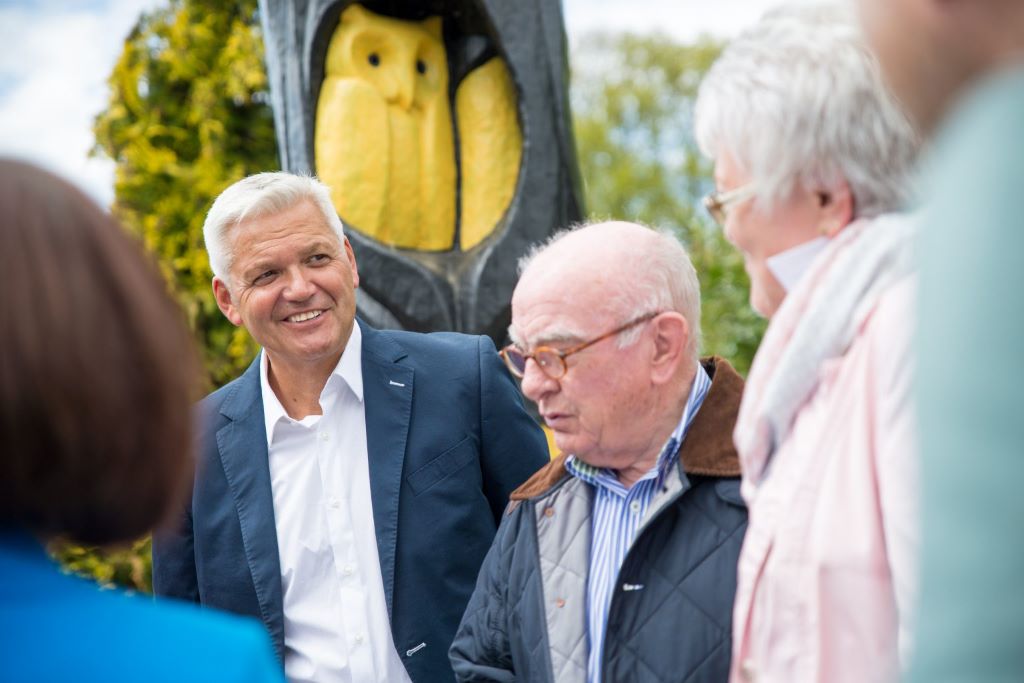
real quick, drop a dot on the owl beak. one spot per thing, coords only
(404, 92)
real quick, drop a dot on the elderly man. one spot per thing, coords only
(351, 480)
(958, 65)
(617, 561)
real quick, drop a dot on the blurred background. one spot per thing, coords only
(154, 106)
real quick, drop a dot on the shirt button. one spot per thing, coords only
(334, 504)
(635, 507)
(348, 570)
(747, 671)
(323, 436)
(359, 638)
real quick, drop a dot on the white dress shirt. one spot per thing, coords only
(336, 625)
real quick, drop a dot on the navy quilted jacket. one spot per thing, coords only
(526, 620)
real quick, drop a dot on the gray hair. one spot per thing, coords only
(660, 277)
(260, 195)
(799, 98)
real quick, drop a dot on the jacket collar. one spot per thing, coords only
(388, 390)
(707, 449)
(242, 446)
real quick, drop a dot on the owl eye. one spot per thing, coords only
(374, 59)
(421, 66)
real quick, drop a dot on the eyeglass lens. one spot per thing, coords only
(549, 362)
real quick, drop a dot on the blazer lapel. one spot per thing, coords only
(242, 444)
(387, 400)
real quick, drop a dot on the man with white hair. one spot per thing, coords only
(351, 480)
(618, 560)
(958, 65)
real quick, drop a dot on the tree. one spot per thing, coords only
(187, 116)
(632, 98)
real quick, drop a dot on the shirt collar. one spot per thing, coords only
(607, 478)
(349, 370)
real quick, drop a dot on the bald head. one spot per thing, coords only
(593, 252)
(626, 268)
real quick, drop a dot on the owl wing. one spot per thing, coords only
(352, 147)
(436, 167)
(491, 148)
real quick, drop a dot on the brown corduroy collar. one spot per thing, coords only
(707, 449)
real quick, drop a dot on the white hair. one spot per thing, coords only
(260, 195)
(659, 277)
(799, 98)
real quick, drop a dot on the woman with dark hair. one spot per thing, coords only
(96, 375)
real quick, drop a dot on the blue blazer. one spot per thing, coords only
(55, 627)
(448, 440)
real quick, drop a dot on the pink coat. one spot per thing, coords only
(827, 572)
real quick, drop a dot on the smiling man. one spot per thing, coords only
(351, 481)
(617, 561)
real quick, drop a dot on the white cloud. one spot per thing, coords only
(53, 71)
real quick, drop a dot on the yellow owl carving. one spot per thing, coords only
(384, 135)
(491, 148)
(384, 141)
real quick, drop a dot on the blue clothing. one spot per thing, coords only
(616, 518)
(970, 374)
(447, 438)
(56, 627)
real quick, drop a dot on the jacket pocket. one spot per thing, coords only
(443, 466)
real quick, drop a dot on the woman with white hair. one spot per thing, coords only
(811, 157)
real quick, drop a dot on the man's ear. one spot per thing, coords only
(671, 336)
(352, 261)
(224, 302)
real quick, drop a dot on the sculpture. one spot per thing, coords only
(442, 127)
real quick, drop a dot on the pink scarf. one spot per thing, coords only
(818, 320)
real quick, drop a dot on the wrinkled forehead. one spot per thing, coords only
(550, 310)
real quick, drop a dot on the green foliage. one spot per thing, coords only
(187, 116)
(633, 99)
(130, 567)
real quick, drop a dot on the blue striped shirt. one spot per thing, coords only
(616, 517)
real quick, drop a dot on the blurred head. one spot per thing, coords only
(616, 393)
(97, 369)
(283, 267)
(803, 134)
(931, 49)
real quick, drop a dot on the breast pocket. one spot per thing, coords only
(443, 466)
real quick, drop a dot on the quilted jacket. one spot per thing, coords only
(671, 613)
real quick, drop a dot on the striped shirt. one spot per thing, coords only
(616, 517)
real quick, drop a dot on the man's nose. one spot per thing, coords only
(535, 383)
(299, 286)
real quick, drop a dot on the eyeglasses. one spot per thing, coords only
(717, 202)
(552, 361)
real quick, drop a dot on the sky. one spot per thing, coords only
(55, 56)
